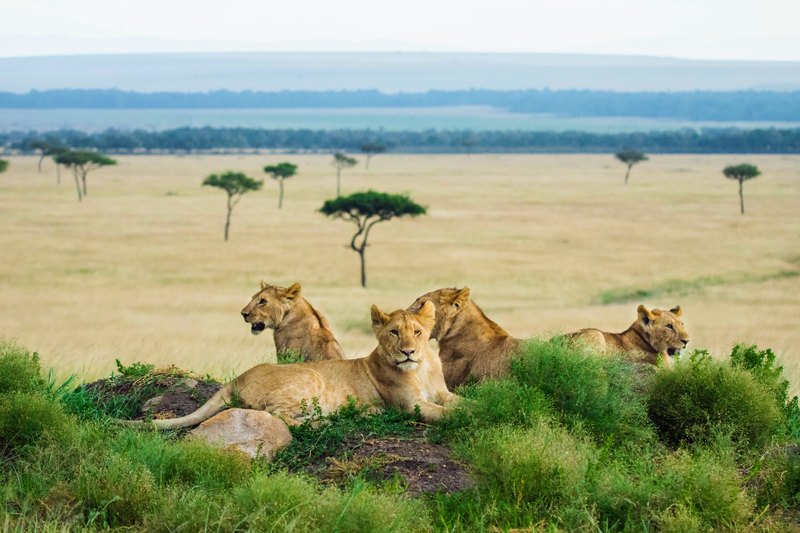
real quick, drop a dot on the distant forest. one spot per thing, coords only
(701, 105)
(727, 140)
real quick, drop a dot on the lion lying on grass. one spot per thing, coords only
(402, 372)
(655, 334)
(297, 326)
(471, 346)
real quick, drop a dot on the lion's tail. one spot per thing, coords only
(214, 405)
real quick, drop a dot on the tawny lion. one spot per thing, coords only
(296, 325)
(402, 372)
(655, 334)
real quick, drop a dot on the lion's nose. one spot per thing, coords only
(245, 314)
(407, 353)
(685, 342)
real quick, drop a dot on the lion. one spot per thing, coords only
(402, 372)
(655, 335)
(296, 325)
(471, 346)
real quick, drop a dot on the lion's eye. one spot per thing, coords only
(670, 326)
(395, 332)
(417, 333)
(262, 301)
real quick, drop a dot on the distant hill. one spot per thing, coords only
(390, 72)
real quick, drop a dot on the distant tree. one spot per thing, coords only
(341, 161)
(48, 148)
(630, 158)
(81, 164)
(371, 149)
(280, 172)
(55, 151)
(365, 209)
(236, 185)
(741, 173)
(3, 165)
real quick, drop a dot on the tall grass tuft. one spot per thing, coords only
(19, 369)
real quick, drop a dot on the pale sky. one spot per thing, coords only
(693, 29)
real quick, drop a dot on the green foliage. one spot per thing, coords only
(288, 357)
(341, 160)
(135, 370)
(700, 397)
(742, 172)
(3, 165)
(371, 203)
(630, 157)
(83, 160)
(320, 436)
(27, 419)
(19, 368)
(281, 170)
(235, 184)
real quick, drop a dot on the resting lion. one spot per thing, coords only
(402, 372)
(655, 333)
(471, 346)
(297, 326)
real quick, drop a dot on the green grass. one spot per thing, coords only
(569, 441)
(678, 287)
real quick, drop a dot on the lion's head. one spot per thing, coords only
(447, 303)
(269, 305)
(663, 329)
(403, 335)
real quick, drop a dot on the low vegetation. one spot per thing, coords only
(569, 441)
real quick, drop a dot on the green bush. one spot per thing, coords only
(19, 369)
(29, 419)
(590, 390)
(700, 397)
(540, 467)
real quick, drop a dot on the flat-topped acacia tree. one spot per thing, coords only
(235, 185)
(81, 164)
(630, 158)
(342, 161)
(365, 209)
(280, 172)
(741, 173)
(371, 149)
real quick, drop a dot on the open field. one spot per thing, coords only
(139, 271)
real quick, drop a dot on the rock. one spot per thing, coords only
(254, 433)
(152, 404)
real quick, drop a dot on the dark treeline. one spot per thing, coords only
(701, 105)
(727, 140)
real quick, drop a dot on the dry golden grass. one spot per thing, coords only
(139, 270)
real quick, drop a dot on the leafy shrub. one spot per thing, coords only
(27, 419)
(700, 397)
(540, 467)
(287, 357)
(19, 369)
(595, 391)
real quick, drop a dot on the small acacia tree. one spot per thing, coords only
(81, 164)
(280, 172)
(341, 161)
(741, 173)
(236, 185)
(3, 165)
(630, 158)
(371, 149)
(365, 209)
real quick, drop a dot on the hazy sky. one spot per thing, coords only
(698, 29)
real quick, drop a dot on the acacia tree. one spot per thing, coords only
(630, 158)
(81, 164)
(741, 173)
(365, 209)
(371, 149)
(341, 161)
(236, 185)
(3, 165)
(280, 172)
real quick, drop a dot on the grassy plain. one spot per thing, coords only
(139, 270)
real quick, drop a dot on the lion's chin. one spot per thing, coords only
(408, 366)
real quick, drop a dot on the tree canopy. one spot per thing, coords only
(82, 162)
(281, 170)
(630, 157)
(742, 172)
(3, 165)
(235, 184)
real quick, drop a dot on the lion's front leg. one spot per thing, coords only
(448, 399)
(429, 411)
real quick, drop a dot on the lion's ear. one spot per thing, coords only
(293, 292)
(379, 318)
(645, 316)
(427, 315)
(462, 298)
(676, 310)
(264, 284)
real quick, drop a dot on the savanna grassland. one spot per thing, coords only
(139, 270)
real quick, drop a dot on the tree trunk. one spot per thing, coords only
(363, 267)
(280, 196)
(77, 185)
(628, 173)
(40, 162)
(338, 176)
(58, 174)
(368, 158)
(83, 179)
(741, 196)
(228, 218)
